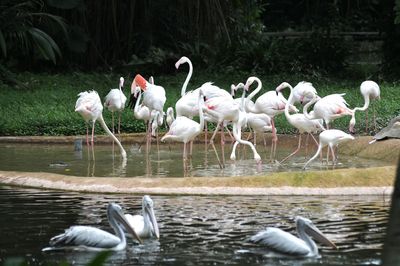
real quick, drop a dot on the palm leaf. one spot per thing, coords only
(44, 46)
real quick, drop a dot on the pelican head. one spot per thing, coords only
(148, 210)
(307, 226)
(117, 216)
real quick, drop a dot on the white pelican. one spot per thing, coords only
(145, 225)
(94, 239)
(287, 244)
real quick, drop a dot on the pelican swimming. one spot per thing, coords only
(287, 244)
(145, 225)
(90, 238)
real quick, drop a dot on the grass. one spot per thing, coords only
(47, 106)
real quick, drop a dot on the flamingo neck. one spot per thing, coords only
(305, 108)
(201, 114)
(242, 102)
(107, 130)
(288, 102)
(253, 93)
(183, 91)
(136, 109)
(366, 104)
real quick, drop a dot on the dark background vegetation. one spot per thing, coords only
(223, 35)
(50, 50)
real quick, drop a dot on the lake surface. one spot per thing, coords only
(105, 160)
(194, 230)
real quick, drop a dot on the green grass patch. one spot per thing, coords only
(47, 107)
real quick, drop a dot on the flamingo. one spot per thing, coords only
(330, 138)
(90, 107)
(370, 90)
(170, 116)
(226, 109)
(270, 103)
(184, 129)
(115, 102)
(287, 244)
(94, 239)
(187, 104)
(328, 108)
(299, 121)
(145, 225)
(153, 96)
(303, 92)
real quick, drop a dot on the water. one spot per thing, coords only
(62, 159)
(194, 230)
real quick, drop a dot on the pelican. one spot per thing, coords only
(90, 238)
(287, 244)
(146, 224)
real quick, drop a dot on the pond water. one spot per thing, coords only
(62, 159)
(194, 230)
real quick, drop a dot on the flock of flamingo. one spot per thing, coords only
(215, 105)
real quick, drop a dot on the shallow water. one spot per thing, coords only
(194, 230)
(167, 162)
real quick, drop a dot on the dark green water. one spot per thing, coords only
(167, 162)
(195, 230)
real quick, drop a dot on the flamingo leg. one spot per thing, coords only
(366, 120)
(119, 122)
(216, 154)
(274, 140)
(255, 138)
(215, 133)
(87, 135)
(308, 135)
(205, 132)
(222, 135)
(374, 117)
(230, 134)
(295, 151)
(93, 132)
(112, 115)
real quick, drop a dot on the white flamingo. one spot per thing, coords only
(184, 129)
(90, 107)
(153, 96)
(115, 102)
(330, 138)
(369, 90)
(299, 121)
(328, 108)
(270, 103)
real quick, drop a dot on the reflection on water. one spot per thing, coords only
(194, 230)
(106, 161)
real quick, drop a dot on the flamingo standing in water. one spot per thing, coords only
(270, 103)
(90, 107)
(184, 129)
(370, 90)
(115, 102)
(299, 121)
(153, 97)
(330, 138)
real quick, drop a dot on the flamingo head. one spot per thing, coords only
(282, 86)
(233, 87)
(248, 83)
(352, 124)
(182, 60)
(121, 82)
(138, 81)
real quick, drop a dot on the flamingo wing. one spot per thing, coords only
(281, 241)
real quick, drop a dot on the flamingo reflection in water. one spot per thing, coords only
(145, 225)
(285, 243)
(93, 239)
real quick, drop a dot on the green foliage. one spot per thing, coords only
(47, 107)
